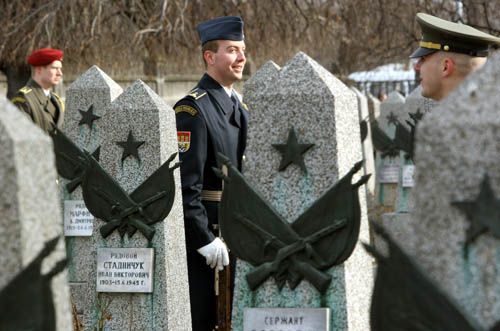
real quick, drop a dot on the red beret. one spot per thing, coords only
(44, 56)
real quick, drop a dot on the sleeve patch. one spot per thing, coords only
(186, 109)
(184, 140)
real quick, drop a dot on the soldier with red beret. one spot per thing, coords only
(44, 107)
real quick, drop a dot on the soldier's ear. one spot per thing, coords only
(209, 57)
(448, 66)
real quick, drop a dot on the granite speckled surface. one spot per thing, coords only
(373, 107)
(414, 102)
(29, 204)
(387, 193)
(457, 143)
(367, 145)
(93, 88)
(323, 111)
(140, 110)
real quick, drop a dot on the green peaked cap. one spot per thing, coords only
(446, 36)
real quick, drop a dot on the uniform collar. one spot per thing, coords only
(217, 91)
(38, 91)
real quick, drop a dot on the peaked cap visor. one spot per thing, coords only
(442, 35)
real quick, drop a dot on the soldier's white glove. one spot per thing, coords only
(215, 253)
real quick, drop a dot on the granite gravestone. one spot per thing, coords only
(414, 103)
(457, 146)
(368, 156)
(398, 223)
(323, 111)
(163, 303)
(89, 96)
(388, 167)
(29, 205)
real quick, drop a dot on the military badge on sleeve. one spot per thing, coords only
(184, 140)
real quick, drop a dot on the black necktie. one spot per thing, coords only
(236, 110)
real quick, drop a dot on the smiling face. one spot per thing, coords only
(226, 65)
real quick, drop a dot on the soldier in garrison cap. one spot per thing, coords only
(44, 107)
(447, 53)
(211, 119)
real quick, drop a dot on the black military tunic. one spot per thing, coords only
(46, 111)
(208, 122)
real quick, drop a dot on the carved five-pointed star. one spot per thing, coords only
(292, 151)
(130, 146)
(483, 213)
(392, 118)
(88, 116)
(416, 116)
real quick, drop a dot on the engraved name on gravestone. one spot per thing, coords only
(78, 221)
(457, 146)
(324, 112)
(125, 270)
(408, 173)
(286, 319)
(30, 215)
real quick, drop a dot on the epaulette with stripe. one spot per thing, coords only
(25, 90)
(197, 93)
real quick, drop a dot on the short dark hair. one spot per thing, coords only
(212, 45)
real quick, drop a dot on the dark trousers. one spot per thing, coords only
(201, 292)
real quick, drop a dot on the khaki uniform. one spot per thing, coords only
(46, 112)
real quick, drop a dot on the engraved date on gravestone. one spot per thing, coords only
(286, 319)
(78, 221)
(125, 270)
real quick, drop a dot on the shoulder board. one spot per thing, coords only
(25, 90)
(18, 100)
(197, 93)
(186, 109)
(244, 106)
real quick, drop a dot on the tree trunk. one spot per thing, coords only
(16, 78)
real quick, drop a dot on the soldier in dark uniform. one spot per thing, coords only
(211, 119)
(44, 107)
(447, 53)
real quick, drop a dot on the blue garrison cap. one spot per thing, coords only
(221, 28)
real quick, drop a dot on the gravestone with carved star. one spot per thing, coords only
(304, 135)
(136, 133)
(397, 223)
(457, 192)
(88, 98)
